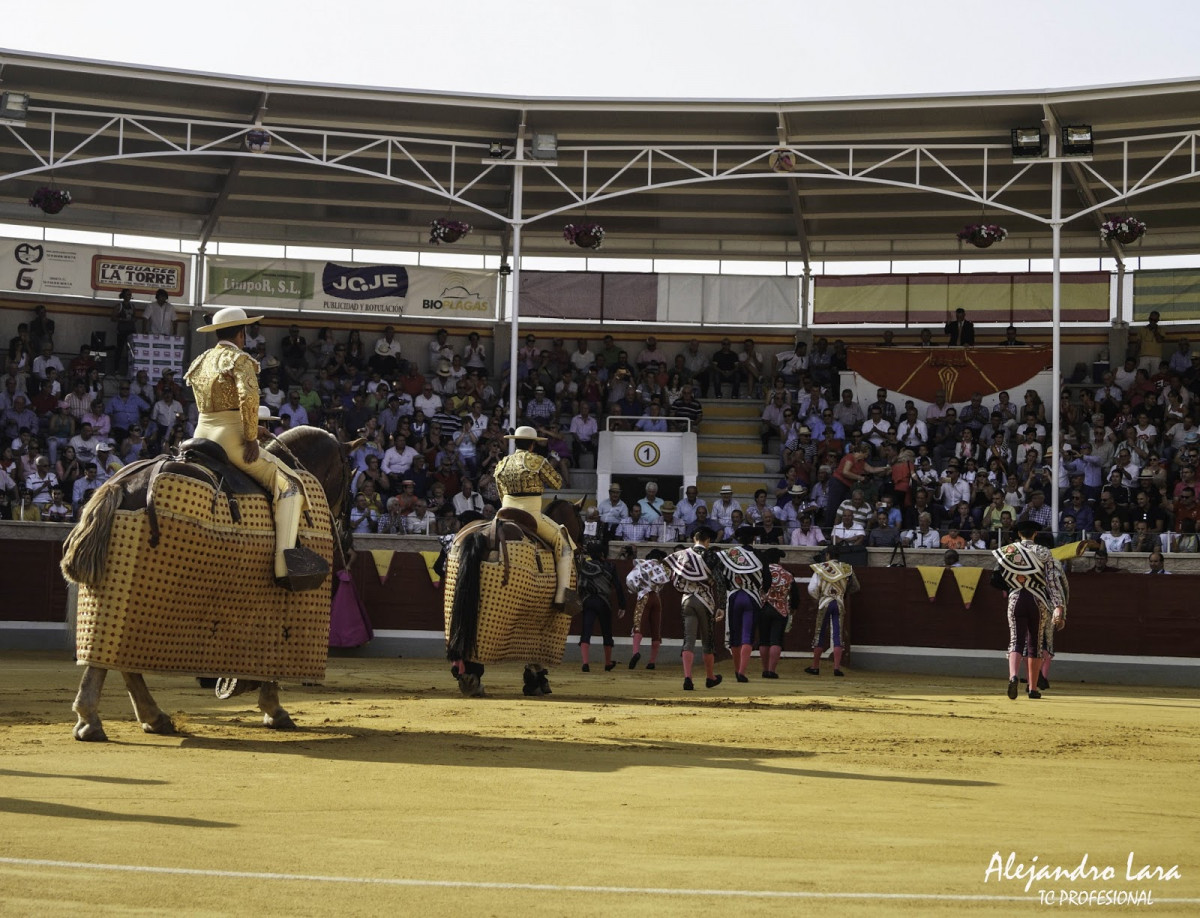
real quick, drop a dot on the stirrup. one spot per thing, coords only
(306, 570)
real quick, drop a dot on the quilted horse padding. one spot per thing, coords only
(203, 600)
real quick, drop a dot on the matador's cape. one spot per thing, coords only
(647, 576)
(1025, 565)
(833, 580)
(692, 575)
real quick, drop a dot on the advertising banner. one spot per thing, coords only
(67, 269)
(326, 286)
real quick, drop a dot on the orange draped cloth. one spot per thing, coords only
(919, 372)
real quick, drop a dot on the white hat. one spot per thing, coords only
(525, 432)
(726, 489)
(228, 317)
(264, 414)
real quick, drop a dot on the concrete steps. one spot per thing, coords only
(728, 445)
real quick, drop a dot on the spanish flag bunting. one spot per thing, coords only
(383, 562)
(931, 577)
(968, 580)
(431, 559)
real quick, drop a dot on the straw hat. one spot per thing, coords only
(229, 317)
(525, 432)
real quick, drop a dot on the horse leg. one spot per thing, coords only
(87, 706)
(145, 708)
(274, 716)
(542, 674)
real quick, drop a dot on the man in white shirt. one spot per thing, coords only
(585, 431)
(398, 459)
(651, 504)
(849, 531)
(685, 510)
(583, 358)
(386, 359)
(45, 360)
(439, 350)
(953, 490)
(428, 402)
(912, 431)
(612, 508)
(158, 318)
(722, 511)
(792, 364)
(467, 499)
(876, 428)
(923, 536)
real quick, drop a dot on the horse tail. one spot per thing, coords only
(85, 552)
(464, 612)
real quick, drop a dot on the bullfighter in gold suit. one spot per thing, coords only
(225, 382)
(520, 479)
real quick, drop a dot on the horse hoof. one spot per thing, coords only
(470, 686)
(280, 720)
(86, 733)
(160, 726)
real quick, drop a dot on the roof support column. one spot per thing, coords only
(1056, 223)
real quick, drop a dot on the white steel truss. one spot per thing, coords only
(457, 171)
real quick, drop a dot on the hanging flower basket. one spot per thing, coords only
(258, 141)
(1123, 229)
(447, 231)
(981, 235)
(584, 235)
(50, 200)
(782, 161)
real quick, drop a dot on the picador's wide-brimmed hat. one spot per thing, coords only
(525, 432)
(264, 414)
(228, 318)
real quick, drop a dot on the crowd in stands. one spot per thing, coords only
(433, 424)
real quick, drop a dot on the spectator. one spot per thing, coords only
(883, 533)
(651, 355)
(923, 536)
(633, 528)
(540, 409)
(685, 510)
(792, 364)
(699, 366)
(386, 360)
(688, 407)
(1116, 538)
(585, 431)
(723, 509)
(848, 531)
(726, 369)
(467, 500)
(806, 534)
(751, 368)
(960, 332)
(668, 529)
(158, 318)
(612, 509)
(651, 504)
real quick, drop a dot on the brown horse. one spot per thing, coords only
(509, 608)
(85, 561)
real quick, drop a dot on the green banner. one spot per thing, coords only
(280, 285)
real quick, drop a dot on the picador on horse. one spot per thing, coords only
(509, 581)
(179, 559)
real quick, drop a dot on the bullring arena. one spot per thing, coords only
(911, 786)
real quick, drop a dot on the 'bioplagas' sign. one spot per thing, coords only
(364, 283)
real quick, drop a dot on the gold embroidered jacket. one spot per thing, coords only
(225, 378)
(524, 473)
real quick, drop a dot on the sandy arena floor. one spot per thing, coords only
(620, 794)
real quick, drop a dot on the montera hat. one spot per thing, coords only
(228, 317)
(525, 432)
